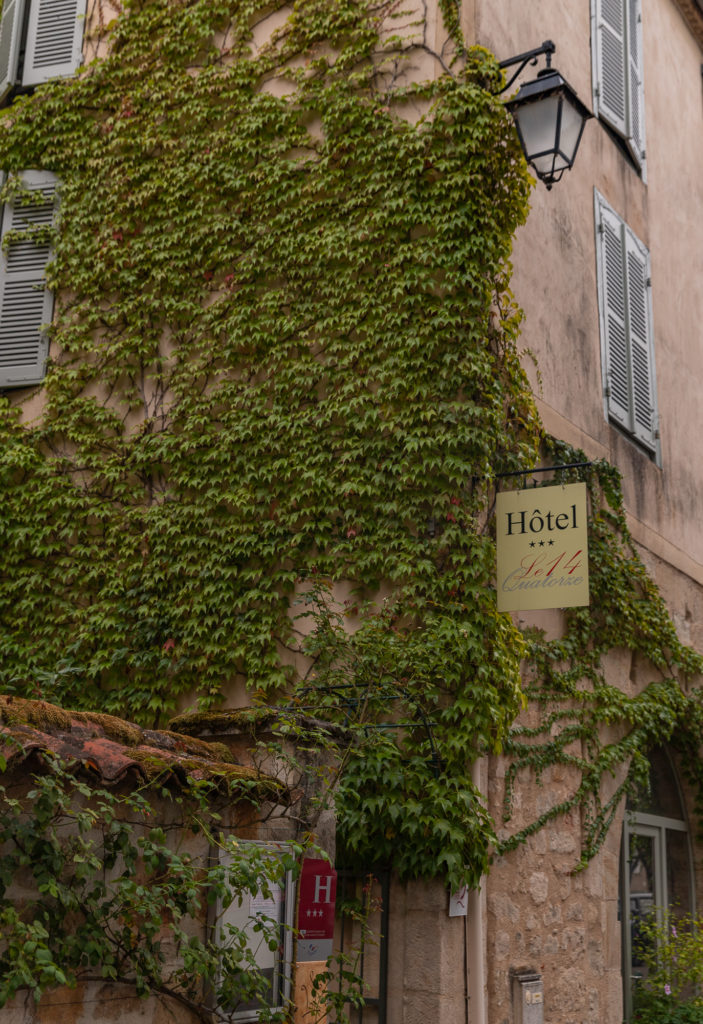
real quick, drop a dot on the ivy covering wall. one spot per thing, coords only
(275, 350)
(284, 355)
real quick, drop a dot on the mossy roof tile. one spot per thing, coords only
(110, 750)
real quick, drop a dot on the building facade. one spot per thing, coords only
(607, 271)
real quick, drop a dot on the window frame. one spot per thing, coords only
(637, 312)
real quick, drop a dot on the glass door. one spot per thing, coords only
(643, 893)
(655, 869)
(656, 881)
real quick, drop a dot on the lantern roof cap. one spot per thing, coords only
(547, 82)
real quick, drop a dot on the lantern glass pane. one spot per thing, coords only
(571, 124)
(537, 124)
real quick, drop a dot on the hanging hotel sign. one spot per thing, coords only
(542, 542)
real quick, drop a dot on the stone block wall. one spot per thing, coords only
(541, 915)
(426, 970)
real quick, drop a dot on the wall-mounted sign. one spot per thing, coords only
(542, 542)
(459, 902)
(318, 890)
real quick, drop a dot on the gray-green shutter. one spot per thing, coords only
(644, 414)
(635, 98)
(26, 305)
(610, 64)
(54, 40)
(10, 34)
(614, 317)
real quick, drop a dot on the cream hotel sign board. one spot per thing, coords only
(542, 543)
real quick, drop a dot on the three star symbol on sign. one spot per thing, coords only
(314, 913)
(534, 543)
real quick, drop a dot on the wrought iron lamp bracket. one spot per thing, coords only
(523, 59)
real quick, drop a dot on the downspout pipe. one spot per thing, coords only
(476, 931)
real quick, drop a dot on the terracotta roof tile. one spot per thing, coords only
(110, 749)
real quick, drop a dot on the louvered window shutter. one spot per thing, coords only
(26, 305)
(54, 39)
(635, 99)
(10, 35)
(626, 327)
(610, 43)
(644, 423)
(614, 316)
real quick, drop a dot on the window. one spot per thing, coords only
(277, 910)
(655, 870)
(627, 347)
(618, 96)
(26, 305)
(39, 40)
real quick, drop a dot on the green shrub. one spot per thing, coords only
(671, 950)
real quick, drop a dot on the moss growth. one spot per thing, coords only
(37, 713)
(114, 728)
(223, 720)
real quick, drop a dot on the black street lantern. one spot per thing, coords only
(549, 117)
